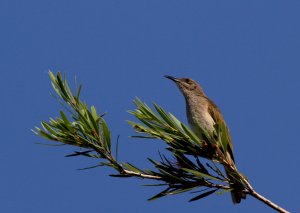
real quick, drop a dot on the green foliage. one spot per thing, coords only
(85, 128)
(193, 165)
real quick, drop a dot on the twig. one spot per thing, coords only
(253, 193)
(146, 176)
(138, 174)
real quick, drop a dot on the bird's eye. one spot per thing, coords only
(187, 80)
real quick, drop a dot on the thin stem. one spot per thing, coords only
(253, 193)
(268, 202)
(146, 176)
(217, 186)
(138, 174)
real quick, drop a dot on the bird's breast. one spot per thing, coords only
(199, 117)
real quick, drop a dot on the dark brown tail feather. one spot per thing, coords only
(237, 196)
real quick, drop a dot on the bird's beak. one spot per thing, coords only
(171, 78)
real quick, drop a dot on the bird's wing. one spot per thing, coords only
(218, 118)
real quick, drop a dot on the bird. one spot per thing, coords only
(202, 114)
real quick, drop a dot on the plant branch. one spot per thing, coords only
(250, 190)
(141, 175)
(183, 172)
(268, 202)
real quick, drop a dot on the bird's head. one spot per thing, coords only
(187, 86)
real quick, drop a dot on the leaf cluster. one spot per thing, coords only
(85, 128)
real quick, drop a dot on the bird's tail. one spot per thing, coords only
(236, 195)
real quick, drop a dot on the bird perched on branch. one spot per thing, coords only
(203, 114)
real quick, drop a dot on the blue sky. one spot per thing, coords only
(244, 54)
